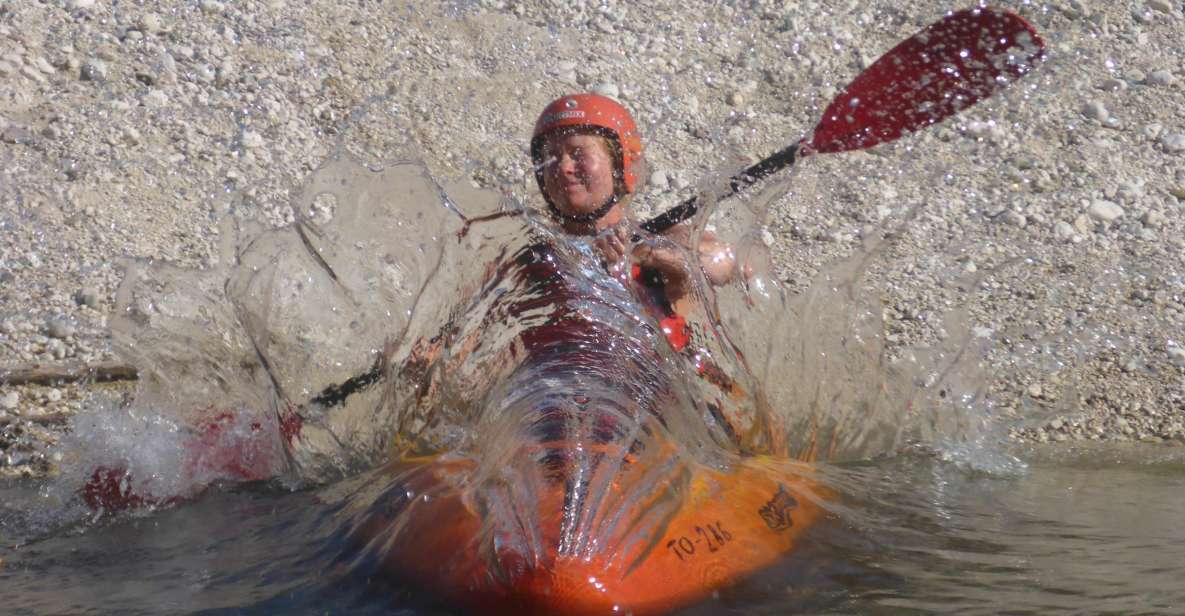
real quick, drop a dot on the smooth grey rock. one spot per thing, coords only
(1106, 211)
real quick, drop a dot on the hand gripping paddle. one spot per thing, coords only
(954, 63)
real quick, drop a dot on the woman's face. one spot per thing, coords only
(578, 176)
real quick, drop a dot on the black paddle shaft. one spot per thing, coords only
(759, 171)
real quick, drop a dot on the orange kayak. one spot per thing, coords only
(704, 530)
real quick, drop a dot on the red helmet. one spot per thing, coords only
(599, 114)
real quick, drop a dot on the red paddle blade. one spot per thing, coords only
(951, 65)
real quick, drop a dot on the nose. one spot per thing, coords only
(566, 164)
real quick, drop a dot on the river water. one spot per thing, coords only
(1091, 531)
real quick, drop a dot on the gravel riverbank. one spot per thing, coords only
(1053, 215)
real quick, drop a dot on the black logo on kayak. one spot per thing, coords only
(776, 512)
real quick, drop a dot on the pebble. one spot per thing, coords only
(1095, 110)
(54, 395)
(149, 22)
(93, 69)
(58, 327)
(1015, 218)
(659, 180)
(1064, 231)
(1153, 219)
(44, 66)
(81, 4)
(606, 89)
(87, 296)
(251, 139)
(1106, 211)
(10, 400)
(1176, 355)
(1160, 78)
(155, 99)
(32, 73)
(1129, 192)
(205, 72)
(16, 135)
(1173, 142)
(1113, 85)
(1164, 6)
(57, 349)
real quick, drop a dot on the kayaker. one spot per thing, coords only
(587, 155)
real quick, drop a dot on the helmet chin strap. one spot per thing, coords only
(582, 219)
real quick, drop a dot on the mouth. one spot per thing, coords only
(572, 188)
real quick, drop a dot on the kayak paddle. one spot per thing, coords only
(953, 64)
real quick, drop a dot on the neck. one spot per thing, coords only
(612, 217)
(609, 214)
